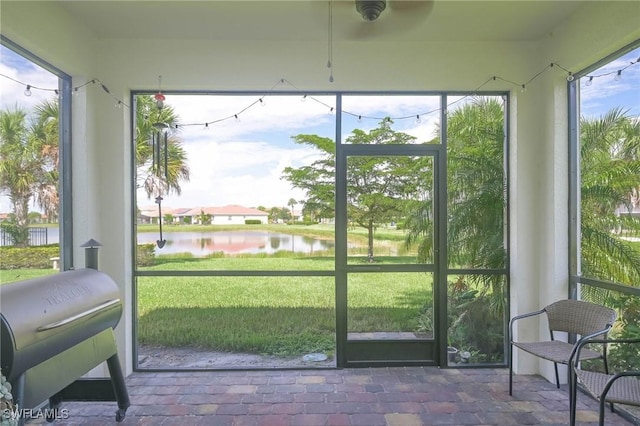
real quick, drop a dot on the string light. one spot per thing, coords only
(417, 117)
(618, 73)
(29, 88)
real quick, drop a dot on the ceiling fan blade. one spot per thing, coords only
(410, 6)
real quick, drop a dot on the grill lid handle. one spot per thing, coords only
(88, 312)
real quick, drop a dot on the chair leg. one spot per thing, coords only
(555, 367)
(572, 401)
(510, 361)
(601, 420)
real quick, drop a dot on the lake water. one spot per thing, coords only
(229, 242)
(233, 242)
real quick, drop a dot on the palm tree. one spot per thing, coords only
(610, 180)
(45, 130)
(475, 227)
(476, 185)
(148, 116)
(476, 190)
(291, 203)
(20, 166)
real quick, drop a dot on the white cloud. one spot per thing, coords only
(26, 73)
(279, 113)
(241, 162)
(237, 172)
(605, 92)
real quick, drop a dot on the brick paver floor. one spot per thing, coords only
(397, 396)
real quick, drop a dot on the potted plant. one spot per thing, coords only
(7, 406)
(452, 352)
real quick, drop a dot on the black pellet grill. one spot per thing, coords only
(54, 330)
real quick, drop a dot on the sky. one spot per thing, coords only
(240, 161)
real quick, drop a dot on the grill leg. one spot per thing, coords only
(119, 388)
(18, 394)
(54, 405)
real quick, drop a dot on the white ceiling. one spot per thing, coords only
(417, 20)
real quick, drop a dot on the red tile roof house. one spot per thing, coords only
(228, 215)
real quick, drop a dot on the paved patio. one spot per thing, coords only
(399, 396)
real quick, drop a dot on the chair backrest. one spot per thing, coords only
(579, 317)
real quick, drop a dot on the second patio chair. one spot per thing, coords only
(577, 317)
(623, 387)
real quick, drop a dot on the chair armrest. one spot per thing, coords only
(589, 338)
(617, 376)
(519, 317)
(575, 354)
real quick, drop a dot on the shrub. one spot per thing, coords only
(625, 357)
(252, 222)
(146, 254)
(32, 257)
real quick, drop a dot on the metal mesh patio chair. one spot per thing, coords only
(621, 388)
(584, 319)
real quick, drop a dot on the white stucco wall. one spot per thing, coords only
(538, 151)
(236, 220)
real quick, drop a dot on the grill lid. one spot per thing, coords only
(37, 309)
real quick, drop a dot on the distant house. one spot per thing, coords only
(228, 215)
(180, 213)
(149, 214)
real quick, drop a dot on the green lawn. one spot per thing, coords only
(272, 315)
(11, 275)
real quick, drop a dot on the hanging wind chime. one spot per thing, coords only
(160, 155)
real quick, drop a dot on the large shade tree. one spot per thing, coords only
(377, 187)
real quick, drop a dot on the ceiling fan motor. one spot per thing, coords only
(369, 9)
